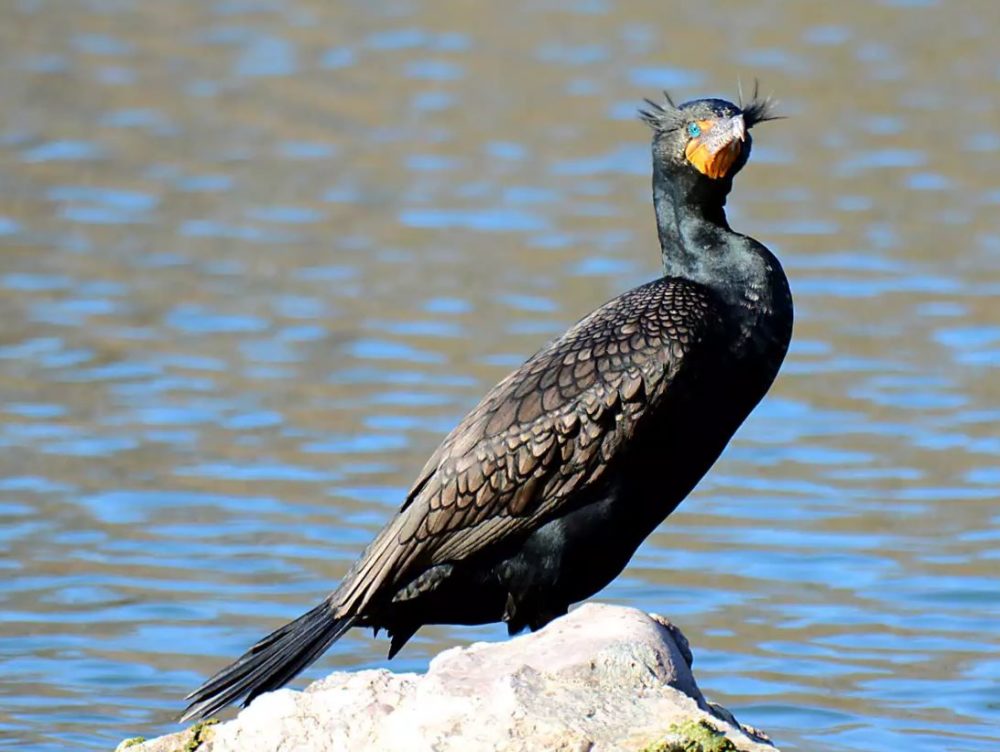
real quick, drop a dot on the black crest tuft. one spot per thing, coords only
(661, 117)
(758, 109)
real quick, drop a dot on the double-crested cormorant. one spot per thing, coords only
(541, 495)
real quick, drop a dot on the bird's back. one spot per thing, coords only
(648, 385)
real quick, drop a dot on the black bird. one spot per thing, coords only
(541, 495)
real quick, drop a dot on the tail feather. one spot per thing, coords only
(271, 663)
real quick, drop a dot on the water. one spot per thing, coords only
(258, 257)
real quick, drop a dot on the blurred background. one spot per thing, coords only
(259, 256)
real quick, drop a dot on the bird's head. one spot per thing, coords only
(704, 137)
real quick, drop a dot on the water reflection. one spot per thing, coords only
(260, 257)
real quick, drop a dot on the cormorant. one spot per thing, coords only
(541, 495)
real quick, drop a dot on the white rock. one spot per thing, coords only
(601, 679)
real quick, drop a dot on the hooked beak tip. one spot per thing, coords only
(739, 128)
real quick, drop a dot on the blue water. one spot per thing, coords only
(258, 258)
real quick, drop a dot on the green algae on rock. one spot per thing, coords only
(694, 736)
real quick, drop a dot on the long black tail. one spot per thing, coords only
(271, 663)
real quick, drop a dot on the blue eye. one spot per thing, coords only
(693, 130)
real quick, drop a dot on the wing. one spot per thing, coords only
(541, 436)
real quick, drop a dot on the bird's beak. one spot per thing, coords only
(738, 127)
(718, 148)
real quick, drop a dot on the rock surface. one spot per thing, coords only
(601, 679)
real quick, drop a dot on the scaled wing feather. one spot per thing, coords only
(545, 432)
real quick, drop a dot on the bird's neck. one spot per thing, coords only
(691, 220)
(698, 245)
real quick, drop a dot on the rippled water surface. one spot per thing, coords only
(259, 256)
